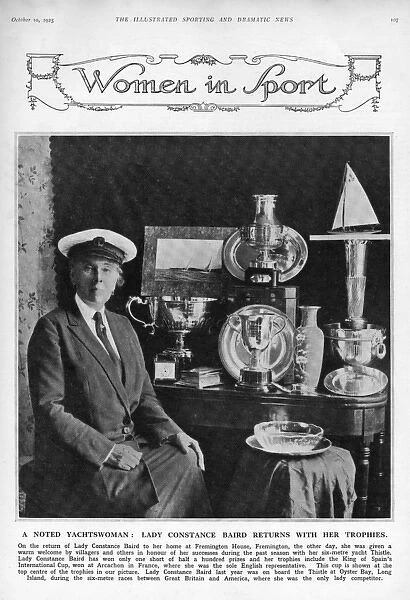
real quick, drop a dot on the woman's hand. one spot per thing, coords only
(123, 457)
(183, 441)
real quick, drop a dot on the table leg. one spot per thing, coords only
(362, 479)
(378, 455)
(377, 476)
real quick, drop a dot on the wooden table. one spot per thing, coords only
(340, 416)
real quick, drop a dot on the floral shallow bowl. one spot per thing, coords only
(288, 436)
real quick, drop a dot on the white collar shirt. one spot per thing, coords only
(88, 313)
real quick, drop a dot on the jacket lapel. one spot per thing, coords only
(80, 329)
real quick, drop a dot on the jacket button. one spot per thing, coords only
(126, 429)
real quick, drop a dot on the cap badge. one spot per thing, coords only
(99, 242)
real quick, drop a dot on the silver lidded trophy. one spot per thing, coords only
(354, 341)
(266, 234)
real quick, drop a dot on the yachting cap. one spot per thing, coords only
(101, 243)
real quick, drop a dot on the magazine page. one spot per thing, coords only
(205, 240)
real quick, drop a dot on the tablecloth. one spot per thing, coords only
(273, 486)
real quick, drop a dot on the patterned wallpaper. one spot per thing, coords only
(36, 284)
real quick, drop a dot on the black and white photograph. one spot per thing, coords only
(282, 368)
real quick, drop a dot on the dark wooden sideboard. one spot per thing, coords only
(225, 407)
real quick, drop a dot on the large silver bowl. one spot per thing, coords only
(173, 313)
(361, 347)
(180, 314)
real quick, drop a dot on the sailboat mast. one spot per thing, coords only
(340, 218)
(344, 196)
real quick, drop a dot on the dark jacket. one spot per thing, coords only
(82, 408)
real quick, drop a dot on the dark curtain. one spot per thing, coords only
(126, 182)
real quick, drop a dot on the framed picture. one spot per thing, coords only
(184, 261)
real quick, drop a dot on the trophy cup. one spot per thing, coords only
(266, 234)
(177, 316)
(257, 332)
(261, 255)
(355, 342)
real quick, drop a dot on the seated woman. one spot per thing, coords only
(104, 447)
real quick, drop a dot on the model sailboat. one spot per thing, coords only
(354, 212)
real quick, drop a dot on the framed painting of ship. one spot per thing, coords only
(184, 261)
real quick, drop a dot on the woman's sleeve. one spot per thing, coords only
(149, 416)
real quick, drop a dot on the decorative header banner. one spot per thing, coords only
(204, 83)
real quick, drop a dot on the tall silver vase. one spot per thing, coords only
(309, 344)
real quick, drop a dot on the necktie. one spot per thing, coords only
(102, 335)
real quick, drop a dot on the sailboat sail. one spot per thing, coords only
(354, 210)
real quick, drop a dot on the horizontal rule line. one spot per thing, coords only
(194, 103)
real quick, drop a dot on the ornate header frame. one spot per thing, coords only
(293, 83)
